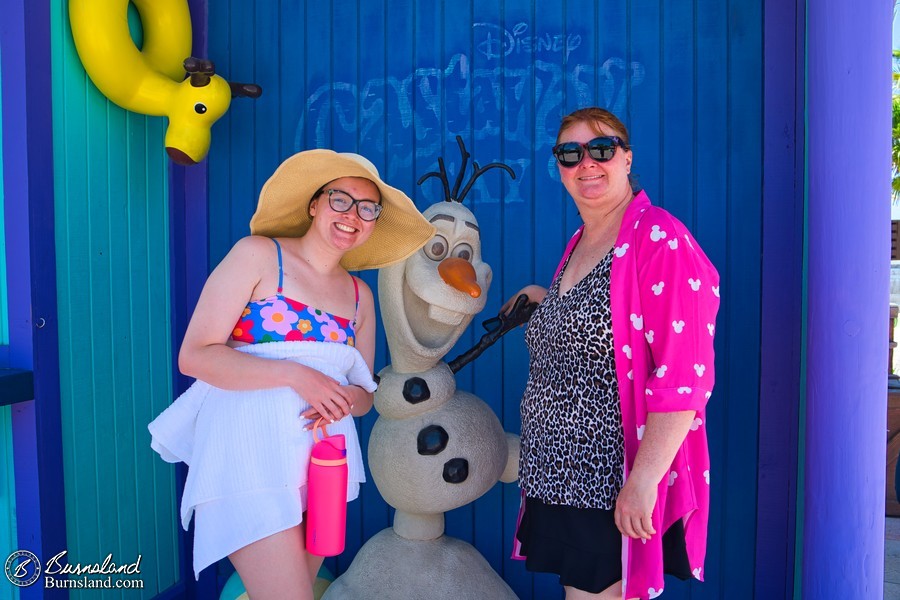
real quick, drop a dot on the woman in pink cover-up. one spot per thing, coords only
(614, 463)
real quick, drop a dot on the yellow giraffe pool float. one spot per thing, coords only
(152, 80)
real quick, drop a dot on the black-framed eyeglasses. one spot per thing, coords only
(340, 201)
(601, 149)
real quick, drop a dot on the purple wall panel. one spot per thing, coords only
(849, 50)
(27, 139)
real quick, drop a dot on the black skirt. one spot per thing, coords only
(584, 547)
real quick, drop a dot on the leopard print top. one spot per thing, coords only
(573, 447)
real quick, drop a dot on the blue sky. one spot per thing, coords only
(896, 31)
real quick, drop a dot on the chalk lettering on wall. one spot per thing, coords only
(496, 41)
(413, 115)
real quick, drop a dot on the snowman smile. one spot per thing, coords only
(432, 326)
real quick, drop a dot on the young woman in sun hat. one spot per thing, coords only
(243, 426)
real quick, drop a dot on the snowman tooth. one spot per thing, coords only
(442, 315)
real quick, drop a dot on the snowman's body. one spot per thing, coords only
(391, 567)
(433, 447)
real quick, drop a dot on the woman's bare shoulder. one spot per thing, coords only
(254, 244)
(248, 258)
(364, 290)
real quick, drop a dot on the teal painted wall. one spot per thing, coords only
(396, 80)
(8, 541)
(111, 175)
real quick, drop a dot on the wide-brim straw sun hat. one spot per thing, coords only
(283, 202)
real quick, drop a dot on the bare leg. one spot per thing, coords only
(312, 561)
(613, 592)
(275, 567)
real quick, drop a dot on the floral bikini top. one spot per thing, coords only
(281, 319)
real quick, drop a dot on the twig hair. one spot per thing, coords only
(455, 195)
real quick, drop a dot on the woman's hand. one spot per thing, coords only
(634, 508)
(325, 396)
(360, 403)
(535, 293)
(663, 436)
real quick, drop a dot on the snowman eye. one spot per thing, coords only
(436, 249)
(463, 251)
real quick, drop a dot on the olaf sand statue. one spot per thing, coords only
(433, 448)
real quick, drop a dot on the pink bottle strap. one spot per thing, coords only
(322, 461)
(315, 430)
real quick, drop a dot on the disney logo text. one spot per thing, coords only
(503, 42)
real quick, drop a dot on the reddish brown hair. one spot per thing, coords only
(594, 116)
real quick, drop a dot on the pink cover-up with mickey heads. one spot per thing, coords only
(664, 296)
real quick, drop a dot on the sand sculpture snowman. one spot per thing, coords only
(433, 447)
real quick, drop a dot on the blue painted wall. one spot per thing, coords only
(4, 305)
(396, 80)
(7, 471)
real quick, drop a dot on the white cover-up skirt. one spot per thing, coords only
(247, 452)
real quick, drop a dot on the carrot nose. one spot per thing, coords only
(460, 274)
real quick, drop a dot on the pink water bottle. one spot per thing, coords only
(326, 486)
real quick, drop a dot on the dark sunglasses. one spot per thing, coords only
(340, 201)
(601, 149)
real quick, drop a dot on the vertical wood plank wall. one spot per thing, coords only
(115, 348)
(4, 305)
(8, 530)
(397, 80)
